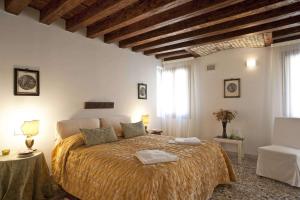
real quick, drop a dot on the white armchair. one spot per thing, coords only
(281, 160)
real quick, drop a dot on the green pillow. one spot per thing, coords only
(98, 136)
(133, 129)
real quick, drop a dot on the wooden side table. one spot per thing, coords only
(239, 144)
(156, 132)
(24, 178)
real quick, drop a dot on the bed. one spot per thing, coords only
(111, 171)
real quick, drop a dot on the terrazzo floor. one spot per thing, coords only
(249, 186)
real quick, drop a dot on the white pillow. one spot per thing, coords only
(114, 122)
(67, 128)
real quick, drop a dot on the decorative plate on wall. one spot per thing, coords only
(232, 88)
(26, 82)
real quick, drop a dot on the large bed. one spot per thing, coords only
(111, 171)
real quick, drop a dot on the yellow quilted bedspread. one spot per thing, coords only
(111, 171)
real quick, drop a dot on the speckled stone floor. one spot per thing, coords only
(248, 187)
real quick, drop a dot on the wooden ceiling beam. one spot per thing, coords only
(272, 26)
(286, 39)
(132, 14)
(56, 9)
(187, 10)
(96, 12)
(16, 6)
(187, 55)
(286, 32)
(284, 36)
(252, 20)
(172, 53)
(233, 12)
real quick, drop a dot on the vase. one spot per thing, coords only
(224, 124)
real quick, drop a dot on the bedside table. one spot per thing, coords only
(239, 144)
(156, 132)
(24, 178)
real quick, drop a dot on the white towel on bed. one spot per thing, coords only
(148, 157)
(188, 141)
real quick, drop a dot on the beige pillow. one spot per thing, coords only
(115, 123)
(66, 128)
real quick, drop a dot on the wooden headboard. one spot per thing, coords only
(99, 105)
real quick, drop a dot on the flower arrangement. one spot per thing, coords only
(225, 116)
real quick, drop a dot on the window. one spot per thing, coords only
(173, 93)
(292, 84)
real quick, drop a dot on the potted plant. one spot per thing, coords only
(225, 116)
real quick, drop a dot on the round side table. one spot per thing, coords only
(24, 178)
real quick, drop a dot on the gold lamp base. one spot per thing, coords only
(29, 142)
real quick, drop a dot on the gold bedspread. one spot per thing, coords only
(111, 171)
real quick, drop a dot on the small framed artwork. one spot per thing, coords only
(26, 82)
(232, 88)
(142, 91)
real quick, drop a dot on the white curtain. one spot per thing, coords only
(279, 90)
(291, 82)
(177, 106)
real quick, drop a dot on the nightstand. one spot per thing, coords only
(156, 132)
(239, 144)
(24, 178)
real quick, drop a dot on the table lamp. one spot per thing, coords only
(145, 120)
(30, 129)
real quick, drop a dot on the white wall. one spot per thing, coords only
(73, 69)
(251, 107)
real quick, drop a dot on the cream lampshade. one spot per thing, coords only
(30, 129)
(145, 120)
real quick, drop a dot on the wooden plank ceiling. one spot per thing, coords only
(171, 29)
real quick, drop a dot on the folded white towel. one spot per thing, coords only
(148, 157)
(188, 141)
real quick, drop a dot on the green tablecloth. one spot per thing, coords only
(24, 178)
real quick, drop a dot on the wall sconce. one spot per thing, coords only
(251, 63)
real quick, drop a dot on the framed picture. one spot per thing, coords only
(26, 82)
(232, 88)
(142, 91)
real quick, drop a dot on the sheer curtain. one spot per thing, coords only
(283, 74)
(291, 82)
(176, 102)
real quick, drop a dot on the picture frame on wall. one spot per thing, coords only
(142, 91)
(26, 82)
(232, 88)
